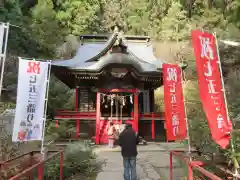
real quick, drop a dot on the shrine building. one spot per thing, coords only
(114, 77)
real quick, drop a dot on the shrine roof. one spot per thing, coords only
(93, 56)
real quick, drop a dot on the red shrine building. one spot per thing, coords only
(114, 77)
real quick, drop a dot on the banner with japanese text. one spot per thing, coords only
(174, 103)
(210, 85)
(31, 94)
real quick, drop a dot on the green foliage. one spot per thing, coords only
(114, 13)
(7, 148)
(44, 26)
(78, 158)
(59, 96)
(64, 131)
(158, 97)
(175, 25)
(197, 122)
(137, 13)
(233, 12)
(79, 17)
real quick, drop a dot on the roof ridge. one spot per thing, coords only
(109, 43)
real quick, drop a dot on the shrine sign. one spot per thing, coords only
(210, 85)
(31, 91)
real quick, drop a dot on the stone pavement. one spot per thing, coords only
(152, 163)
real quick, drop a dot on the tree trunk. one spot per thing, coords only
(210, 4)
(189, 5)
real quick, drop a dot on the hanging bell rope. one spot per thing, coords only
(131, 99)
(115, 98)
(121, 107)
(111, 108)
(116, 102)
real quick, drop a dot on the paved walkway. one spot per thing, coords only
(152, 163)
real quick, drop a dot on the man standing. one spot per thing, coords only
(128, 142)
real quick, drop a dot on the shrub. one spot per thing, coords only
(78, 158)
(64, 131)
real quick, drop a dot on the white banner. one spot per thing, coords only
(31, 95)
(2, 32)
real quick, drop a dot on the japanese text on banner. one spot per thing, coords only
(173, 102)
(32, 80)
(210, 86)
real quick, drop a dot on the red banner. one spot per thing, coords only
(210, 85)
(173, 103)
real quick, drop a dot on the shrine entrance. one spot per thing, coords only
(114, 77)
(116, 105)
(107, 98)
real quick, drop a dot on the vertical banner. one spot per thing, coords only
(2, 32)
(4, 29)
(31, 95)
(210, 85)
(173, 103)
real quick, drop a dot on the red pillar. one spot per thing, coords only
(136, 112)
(40, 172)
(97, 117)
(57, 125)
(76, 109)
(153, 126)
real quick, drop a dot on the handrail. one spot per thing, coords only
(192, 165)
(15, 158)
(206, 173)
(39, 166)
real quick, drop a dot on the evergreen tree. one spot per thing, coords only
(114, 12)
(175, 25)
(79, 17)
(44, 26)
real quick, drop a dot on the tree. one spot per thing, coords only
(137, 17)
(60, 96)
(114, 12)
(175, 25)
(79, 17)
(45, 28)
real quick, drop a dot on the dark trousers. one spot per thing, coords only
(129, 164)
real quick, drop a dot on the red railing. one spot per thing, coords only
(194, 165)
(39, 166)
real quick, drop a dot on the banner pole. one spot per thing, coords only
(3, 59)
(186, 119)
(225, 97)
(45, 109)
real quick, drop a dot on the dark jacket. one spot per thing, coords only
(128, 142)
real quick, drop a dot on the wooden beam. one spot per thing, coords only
(118, 90)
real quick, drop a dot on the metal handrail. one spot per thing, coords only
(193, 165)
(39, 166)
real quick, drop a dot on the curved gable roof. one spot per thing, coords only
(90, 57)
